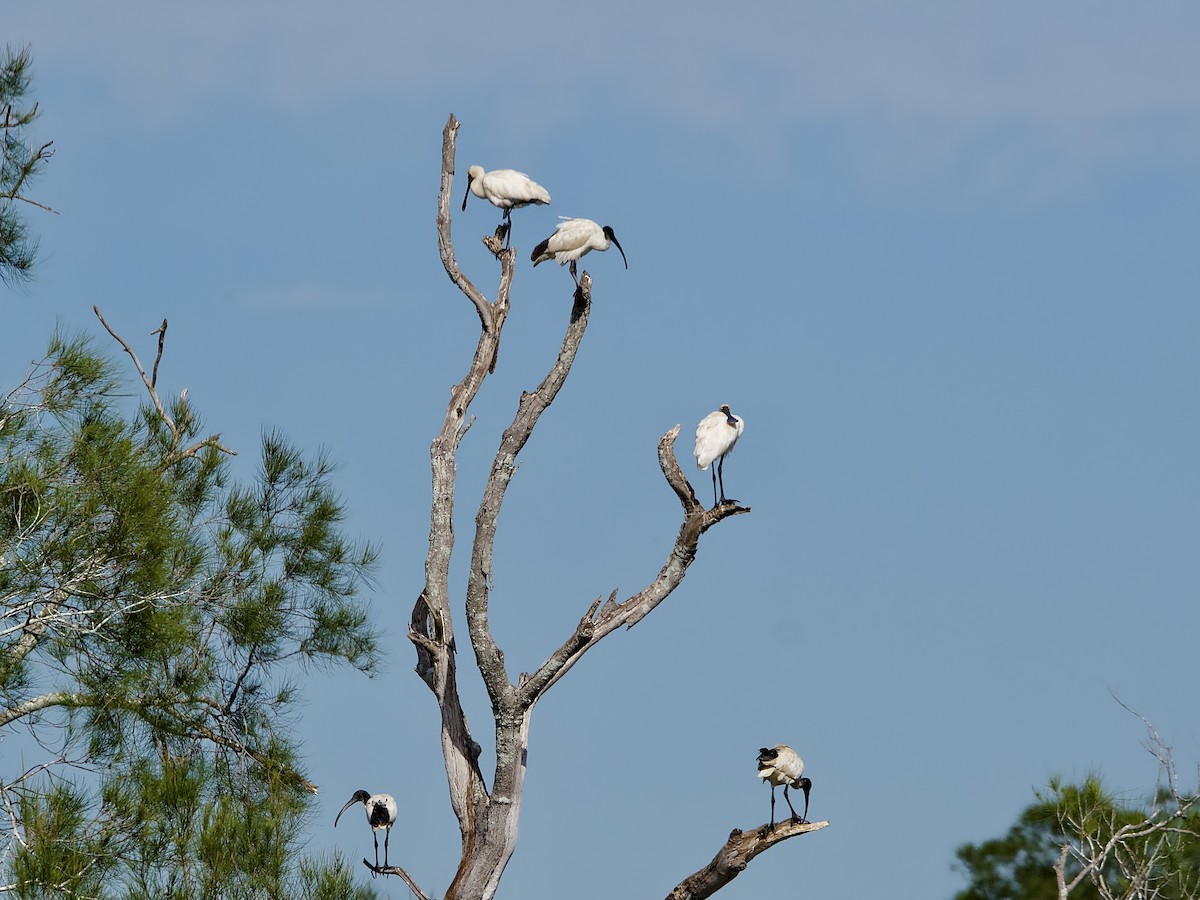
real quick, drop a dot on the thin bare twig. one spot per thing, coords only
(1138, 850)
(141, 371)
(161, 331)
(177, 433)
(49, 209)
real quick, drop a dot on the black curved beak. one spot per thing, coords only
(467, 194)
(612, 237)
(349, 803)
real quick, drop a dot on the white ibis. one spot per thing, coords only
(507, 189)
(783, 765)
(381, 816)
(574, 238)
(715, 436)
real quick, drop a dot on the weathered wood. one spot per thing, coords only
(396, 870)
(613, 615)
(489, 819)
(735, 855)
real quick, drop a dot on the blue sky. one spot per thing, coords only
(942, 260)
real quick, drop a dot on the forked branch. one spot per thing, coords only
(602, 621)
(151, 382)
(529, 411)
(489, 820)
(432, 630)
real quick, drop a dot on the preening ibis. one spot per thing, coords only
(715, 436)
(381, 816)
(783, 765)
(574, 238)
(507, 189)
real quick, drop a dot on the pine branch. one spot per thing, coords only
(37, 704)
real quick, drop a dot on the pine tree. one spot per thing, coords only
(155, 620)
(20, 164)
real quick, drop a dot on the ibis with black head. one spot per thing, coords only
(781, 765)
(574, 238)
(381, 816)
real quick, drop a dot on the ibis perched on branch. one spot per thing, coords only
(715, 436)
(381, 816)
(574, 238)
(507, 189)
(783, 765)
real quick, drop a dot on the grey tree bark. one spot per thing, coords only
(734, 856)
(489, 815)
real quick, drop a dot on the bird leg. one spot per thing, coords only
(573, 275)
(505, 229)
(375, 835)
(714, 474)
(773, 805)
(795, 818)
(720, 467)
(386, 837)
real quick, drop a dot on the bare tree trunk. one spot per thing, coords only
(489, 819)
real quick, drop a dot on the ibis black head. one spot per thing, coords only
(765, 754)
(608, 233)
(359, 797)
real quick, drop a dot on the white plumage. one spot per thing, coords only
(381, 816)
(574, 238)
(781, 765)
(715, 436)
(507, 189)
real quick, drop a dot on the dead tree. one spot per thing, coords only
(489, 814)
(1139, 858)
